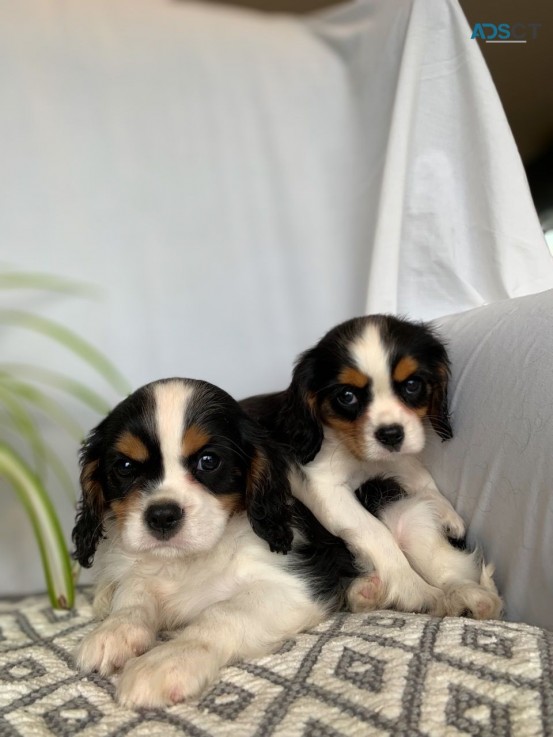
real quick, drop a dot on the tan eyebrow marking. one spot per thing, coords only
(194, 439)
(404, 368)
(353, 377)
(132, 447)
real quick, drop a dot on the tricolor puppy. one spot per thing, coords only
(357, 408)
(172, 482)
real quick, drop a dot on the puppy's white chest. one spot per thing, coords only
(336, 466)
(188, 587)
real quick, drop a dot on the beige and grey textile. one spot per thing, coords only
(379, 674)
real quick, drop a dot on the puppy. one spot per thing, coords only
(183, 498)
(168, 480)
(356, 409)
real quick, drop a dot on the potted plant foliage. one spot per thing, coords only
(26, 389)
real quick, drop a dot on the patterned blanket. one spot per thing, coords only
(356, 675)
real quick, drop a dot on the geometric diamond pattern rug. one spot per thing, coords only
(359, 675)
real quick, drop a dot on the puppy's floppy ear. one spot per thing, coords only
(300, 427)
(268, 493)
(90, 510)
(438, 409)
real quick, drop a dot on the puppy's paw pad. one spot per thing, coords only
(474, 601)
(489, 606)
(365, 593)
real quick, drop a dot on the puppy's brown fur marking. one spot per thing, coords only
(353, 377)
(92, 490)
(132, 447)
(258, 469)
(122, 508)
(232, 503)
(351, 432)
(195, 438)
(404, 368)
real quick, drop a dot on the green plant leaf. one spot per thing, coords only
(50, 408)
(43, 454)
(17, 388)
(24, 426)
(69, 340)
(73, 388)
(53, 550)
(57, 466)
(46, 282)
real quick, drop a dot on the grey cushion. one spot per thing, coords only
(498, 468)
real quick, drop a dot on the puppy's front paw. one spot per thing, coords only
(365, 593)
(111, 644)
(473, 600)
(281, 541)
(169, 673)
(279, 536)
(406, 593)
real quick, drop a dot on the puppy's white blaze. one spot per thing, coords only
(204, 516)
(372, 358)
(386, 410)
(171, 400)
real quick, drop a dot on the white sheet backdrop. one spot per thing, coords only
(449, 222)
(237, 183)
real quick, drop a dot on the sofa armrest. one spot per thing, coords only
(498, 468)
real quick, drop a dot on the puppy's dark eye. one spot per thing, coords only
(347, 398)
(208, 462)
(412, 387)
(124, 468)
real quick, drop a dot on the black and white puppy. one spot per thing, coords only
(356, 409)
(179, 488)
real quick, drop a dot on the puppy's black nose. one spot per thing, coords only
(164, 519)
(390, 435)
